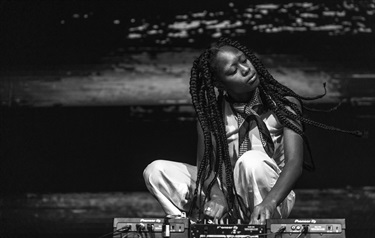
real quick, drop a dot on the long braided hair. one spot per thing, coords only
(207, 105)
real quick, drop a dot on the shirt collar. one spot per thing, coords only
(254, 103)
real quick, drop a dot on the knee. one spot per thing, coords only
(152, 171)
(257, 167)
(255, 164)
(252, 159)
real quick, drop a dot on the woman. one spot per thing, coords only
(250, 142)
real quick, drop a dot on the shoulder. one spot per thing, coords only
(294, 101)
(298, 112)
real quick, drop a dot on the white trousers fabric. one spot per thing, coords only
(173, 183)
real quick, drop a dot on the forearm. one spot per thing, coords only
(285, 183)
(293, 153)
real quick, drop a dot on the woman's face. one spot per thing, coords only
(235, 73)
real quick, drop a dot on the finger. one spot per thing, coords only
(214, 215)
(263, 217)
(271, 212)
(254, 216)
(268, 214)
(218, 211)
(224, 216)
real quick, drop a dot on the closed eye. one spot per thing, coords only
(234, 71)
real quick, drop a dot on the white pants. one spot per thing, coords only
(173, 183)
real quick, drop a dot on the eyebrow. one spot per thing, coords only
(227, 69)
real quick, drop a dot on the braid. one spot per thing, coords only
(264, 72)
(276, 90)
(210, 117)
(197, 94)
(208, 108)
(219, 133)
(227, 163)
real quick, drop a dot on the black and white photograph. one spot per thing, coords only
(187, 119)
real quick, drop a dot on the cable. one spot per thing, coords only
(138, 234)
(303, 230)
(280, 230)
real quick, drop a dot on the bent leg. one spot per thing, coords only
(172, 184)
(255, 174)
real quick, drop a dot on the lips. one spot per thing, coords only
(252, 78)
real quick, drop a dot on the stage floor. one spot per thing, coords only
(91, 214)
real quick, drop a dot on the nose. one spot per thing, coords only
(245, 69)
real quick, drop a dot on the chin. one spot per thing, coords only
(255, 83)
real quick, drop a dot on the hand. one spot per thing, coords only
(261, 212)
(216, 207)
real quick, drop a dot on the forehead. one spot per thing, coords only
(228, 50)
(226, 55)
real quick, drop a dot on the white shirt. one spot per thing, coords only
(274, 126)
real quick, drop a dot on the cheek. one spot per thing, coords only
(233, 84)
(251, 66)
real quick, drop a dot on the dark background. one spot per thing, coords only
(33, 31)
(105, 148)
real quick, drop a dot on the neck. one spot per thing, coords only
(242, 98)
